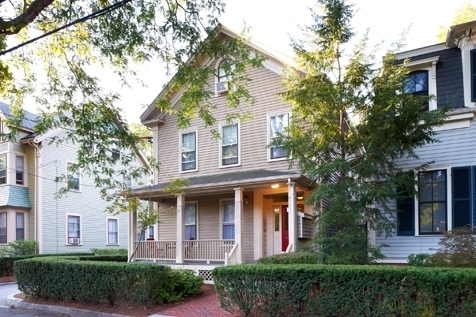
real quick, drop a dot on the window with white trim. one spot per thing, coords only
(432, 202)
(228, 220)
(3, 227)
(20, 226)
(73, 177)
(190, 221)
(229, 144)
(422, 80)
(112, 231)
(277, 125)
(19, 169)
(188, 146)
(416, 84)
(74, 229)
(225, 70)
(3, 169)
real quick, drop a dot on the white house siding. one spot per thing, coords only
(457, 147)
(87, 203)
(264, 86)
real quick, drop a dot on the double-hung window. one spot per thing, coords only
(3, 227)
(112, 231)
(416, 84)
(228, 220)
(277, 125)
(19, 169)
(188, 151)
(432, 204)
(74, 229)
(3, 169)
(190, 221)
(229, 146)
(20, 226)
(73, 177)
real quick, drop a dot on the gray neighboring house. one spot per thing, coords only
(29, 209)
(446, 196)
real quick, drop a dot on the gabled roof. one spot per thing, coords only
(273, 58)
(28, 121)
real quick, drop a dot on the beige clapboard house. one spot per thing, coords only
(243, 202)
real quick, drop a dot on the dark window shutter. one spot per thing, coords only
(461, 196)
(473, 75)
(405, 215)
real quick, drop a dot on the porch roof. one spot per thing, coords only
(219, 182)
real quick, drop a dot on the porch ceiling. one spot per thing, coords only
(218, 183)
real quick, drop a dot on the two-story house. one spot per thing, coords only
(446, 193)
(243, 202)
(30, 209)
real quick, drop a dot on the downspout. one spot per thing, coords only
(37, 196)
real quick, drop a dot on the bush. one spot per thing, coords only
(299, 257)
(106, 258)
(418, 260)
(183, 283)
(345, 290)
(19, 247)
(109, 251)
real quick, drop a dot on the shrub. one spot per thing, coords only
(109, 251)
(182, 283)
(345, 290)
(106, 258)
(418, 260)
(299, 257)
(457, 249)
(19, 247)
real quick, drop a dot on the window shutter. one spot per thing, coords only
(405, 216)
(473, 75)
(461, 196)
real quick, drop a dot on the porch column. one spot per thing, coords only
(132, 232)
(292, 215)
(238, 225)
(180, 227)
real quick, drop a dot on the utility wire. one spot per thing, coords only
(91, 16)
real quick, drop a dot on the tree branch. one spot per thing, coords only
(29, 15)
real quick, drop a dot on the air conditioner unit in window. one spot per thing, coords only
(222, 87)
(74, 240)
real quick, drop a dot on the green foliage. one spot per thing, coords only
(418, 260)
(333, 290)
(465, 13)
(350, 125)
(109, 251)
(105, 258)
(69, 278)
(19, 247)
(299, 257)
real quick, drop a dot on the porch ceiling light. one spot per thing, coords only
(274, 186)
(300, 197)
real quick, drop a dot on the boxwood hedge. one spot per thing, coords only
(331, 290)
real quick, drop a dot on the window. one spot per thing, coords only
(228, 220)
(115, 154)
(74, 229)
(149, 231)
(2, 137)
(112, 231)
(189, 151)
(3, 169)
(127, 181)
(277, 125)
(225, 70)
(473, 75)
(417, 84)
(3, 227)
(73, 177)
(20, 226)
(190, 221)
(432, 201)
(20, 167)
(229, 145)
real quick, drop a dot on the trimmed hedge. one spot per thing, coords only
(68, 278)
(339, 291)
(105, 258)
(6, 263)
(299, 257)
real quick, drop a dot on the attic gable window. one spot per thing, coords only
(224, 75)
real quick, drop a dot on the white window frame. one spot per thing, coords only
(222, 215)
(108, 242)
(80, 229)
(181, 133)
(23, 171)
(428, 64)
(268, 129)
(6, 169)
(193, 202)
(220, 154)
(67, 178)
(23, 224)
(229, 78)
(449, 199)
(6, 225)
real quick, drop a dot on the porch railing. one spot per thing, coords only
(164, 250)
(206, 250)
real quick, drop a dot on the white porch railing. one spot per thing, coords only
(230, 257)
(207, 250)
(161, 250)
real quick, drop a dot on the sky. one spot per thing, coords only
(273, 21)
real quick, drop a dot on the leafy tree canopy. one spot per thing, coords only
(351, 124)
(59, 72)
(464, 14)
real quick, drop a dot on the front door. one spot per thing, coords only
(285, 228)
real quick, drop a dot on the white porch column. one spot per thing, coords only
(180, 228)
(132, 231)
(292, 215)
(239, 225)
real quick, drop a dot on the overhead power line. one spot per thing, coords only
(91, 16)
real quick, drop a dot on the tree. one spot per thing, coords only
(144, 135)
(58, 72)
(464, 14)
(350, 124)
